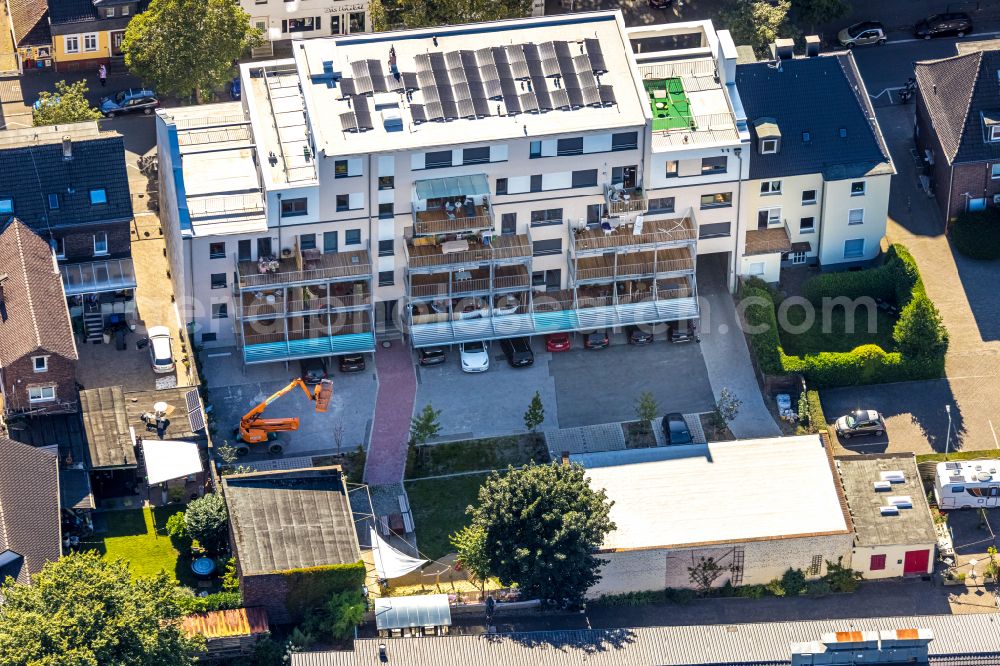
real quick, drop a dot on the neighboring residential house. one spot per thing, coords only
(29, 30)
(37, 347)
(88, 33)
(281, 22)
(958, 128)
(30, 524)
(69, 184)
(818, 190)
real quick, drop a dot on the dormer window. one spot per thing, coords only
(994, 136)
(6, 205)
(768, 135)
(768, 146)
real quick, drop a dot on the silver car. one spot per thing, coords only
(860, 422)
(862, 34)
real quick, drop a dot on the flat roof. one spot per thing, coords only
(858, 473)
(707, 112)
(496, 79)
(672, 497)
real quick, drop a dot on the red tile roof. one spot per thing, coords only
(226, 623)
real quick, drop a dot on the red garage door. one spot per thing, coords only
(916, 562)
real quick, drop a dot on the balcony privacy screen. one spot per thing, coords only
(439, 188)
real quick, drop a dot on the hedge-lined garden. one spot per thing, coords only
(919, 336)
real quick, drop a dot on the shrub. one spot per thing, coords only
(841, 578)
(817, 588)
(311, 588)
(177, 531)
(977, 234)
(919, 332)
(775, 587)
(751, 591)
(207, 521)
(213, 602)
(794, 582)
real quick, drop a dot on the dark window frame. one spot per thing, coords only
(726, 202)
(546, 217)
(438, 164)
(386, 248)
(590, 181)
(214, 252)
(554, 247)
(294, 207)
(216, 283)
(569, 146)
(352, 233)
(476, 160)
(710, 165)
(386, 278)
(625, 141)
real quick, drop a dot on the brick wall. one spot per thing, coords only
(79, 243)
(974, 180)
(19, 376)
(927, 140)
(269, 591)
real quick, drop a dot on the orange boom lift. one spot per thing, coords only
(256, 430)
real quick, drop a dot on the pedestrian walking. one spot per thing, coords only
(102, 74)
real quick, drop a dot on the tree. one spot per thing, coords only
(470, 544)
(227, 453)
(420, 13)
(84, 610)
(380, 22)
(646, 409)
(68, 104)
(919, 332)
(424, 425)
(817, 12)
(338, 617)
(726, 409)
(535, 415)
(207, 519)
(185, 46)
(541, 526)
(758, 22)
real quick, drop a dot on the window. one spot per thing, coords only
(59, 244)
(343, 202)
(714, 230)
(716, 164)
(357, 20)
(386, 182)
(806, 137)
(109, 12)
(386, 248)
(340, 169)
(770, 187)
(756, 268)
(671, 169)
(541, 218)
(624, 175)
(508, 224)
(625, 141)
(264, 248)
(798, 257)
(957, 489)
(209, 337)
(768, 146)
(329, 242)
(594, 213)
(572, 146)
(854, 248)
(807, 225)
(125, 10)
(90, 41)
(220, 310)
(386, 211)
(436, 160)
(995, 133)
(479, 155)
(386, 278)
(856, 216)
(536, 183)
(352, 237)
(535, 150)
(218, 280)
(100, 243)
(661, 205)
(6, 205)
(307, 241)
(216, 250)
(99, 196)
(40, 363)
(995, 171)
(877, 563)
(41, 393)
(71, 44)
(501, 186)
(243, 250)
(295, 207)
(858, 188)
(542, 248)
(301, 24)
(808, 197)
(768, 217)
(54, 201)
(719, 200)
(587, 178)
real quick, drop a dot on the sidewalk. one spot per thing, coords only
(397, 388)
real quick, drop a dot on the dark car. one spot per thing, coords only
(860, 422)
(660, 4)
(431, 356)
(637, 336)
(352, 362)
(943, 25)
(596, 340)
(675, 429)
(518, 352)
(862, 34)
(129, 101)
(313, 370)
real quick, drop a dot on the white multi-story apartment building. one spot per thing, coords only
(464, 183)
(283, 20)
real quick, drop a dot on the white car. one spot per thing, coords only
(159, 349)
(475, 356)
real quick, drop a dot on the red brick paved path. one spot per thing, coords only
(397, 388)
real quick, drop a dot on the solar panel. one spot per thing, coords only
(438, 65)
(410, 81)
(531, 52)
(520, 70)
(379, 81)
(535, 68)
(363, 85)
(418, 113)
(581, 64)
(453, 59)
(489, 73)
(347, 88)
(191, 400)
(348, 122)
(550, 66)
(360, 68)
(363, 113)
(542, 95)
(596, 55)
(514, 52)
(559, 99)
(423, 62)
(449, 109)
(485, 57)
(430, 94)
(466, 109)
(570, 81)
(587, 79)
(591, 96)
(563, 51)
(457, 74)
(426, 79)
(434, 111)
(394, 84)
(546, 50)
(492, 89)
(575, 97)
(482, 106)
(512, 104)
(446, 94)
(196, 416)
(607, 95)
(528, 102)
(462, 91)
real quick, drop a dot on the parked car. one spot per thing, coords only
(637, 336)
(557, 342)
(675, 429)
(431, 356)
(129, 101)
(235, 88)
(160, 353)
(860, 422)
(313, 370)
(596, 340)
(518, 352)
(862, 34)
(352, 362)
(475, 356)
(660, 4)
(943, 25)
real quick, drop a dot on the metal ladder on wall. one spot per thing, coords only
(737, 566)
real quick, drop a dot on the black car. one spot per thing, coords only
(660, 4)
(352, 362)
(518, 352)
(675, 429)
(431, 356)
(596, 340)
(637, 336)
(943, 25)
(129, 101)
(313, 370)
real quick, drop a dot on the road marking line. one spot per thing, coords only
(978, 36)
(995, 440)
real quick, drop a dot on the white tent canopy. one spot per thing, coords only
(166, 460)
(389, 562)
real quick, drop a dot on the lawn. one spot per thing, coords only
(836, 338)
(475, 455)
(139, 536)
(438, 507)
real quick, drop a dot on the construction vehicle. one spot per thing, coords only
(256, 430)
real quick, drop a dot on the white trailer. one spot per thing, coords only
(967, 484)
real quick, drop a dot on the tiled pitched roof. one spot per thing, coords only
(31, 26)
(33, 300)
(32, 170)
(820, 96)
(72, 11)
(29, 505)
(957, 92)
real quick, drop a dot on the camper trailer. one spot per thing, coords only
(967, 484)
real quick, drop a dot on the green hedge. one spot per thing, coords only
(312, 587)
(977, 234)
(896, 280)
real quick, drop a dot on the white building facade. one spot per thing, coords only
(284, 20)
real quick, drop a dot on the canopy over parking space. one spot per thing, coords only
(429, 610)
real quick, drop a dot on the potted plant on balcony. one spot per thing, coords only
(286, 252)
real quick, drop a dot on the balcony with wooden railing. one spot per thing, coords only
(299, 328)
(303, 267)
(653, 233)
(462, 220)
(474, 281)
(621, 200)
(284, 301)
(425, 254)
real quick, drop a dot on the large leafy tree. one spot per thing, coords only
(68, 104)
(185, 46)
(817, 12)
(419, 13)
(85, 611)
(758, 22)
(920, 333)
(470, 544)
(542, 525)
(207, 521)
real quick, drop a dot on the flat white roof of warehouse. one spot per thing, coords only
(744, 490)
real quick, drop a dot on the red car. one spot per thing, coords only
(557, 342)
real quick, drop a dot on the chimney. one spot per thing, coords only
(812, 46)
(67, 146)
(565, 457)
(783, 48)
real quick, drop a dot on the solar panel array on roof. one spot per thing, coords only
(362, 112)
(596, 55)
(348, 122)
